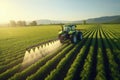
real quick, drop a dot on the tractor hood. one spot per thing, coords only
(60, 32)
(71, 32)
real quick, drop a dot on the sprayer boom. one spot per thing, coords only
(36, 52)
(41, 44)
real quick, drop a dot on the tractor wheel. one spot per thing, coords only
(61, 38)
(79, 36)
(74, 39)
(61, 41)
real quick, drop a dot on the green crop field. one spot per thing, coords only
(95, 57)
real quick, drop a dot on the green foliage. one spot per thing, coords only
(84, 22)
(12, 23)
(56, 72)
(47, 67)
(31, 69)
(78, 60)
(14, 41)
(5, 75)
(21, 23)
(89, 60)
(33, 23)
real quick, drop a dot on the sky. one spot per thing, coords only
(70, 10)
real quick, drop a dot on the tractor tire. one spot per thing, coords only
(74, 39)
(61, 41)
(61, 38)
(79, 36)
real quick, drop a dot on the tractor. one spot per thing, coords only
(69, 32)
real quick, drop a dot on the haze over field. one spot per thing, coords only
(57, 9)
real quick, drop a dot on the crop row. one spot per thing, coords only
(95, 57)
(62, 67)
(72, 73)
(113, 66)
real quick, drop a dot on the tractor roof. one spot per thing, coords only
(70, 25)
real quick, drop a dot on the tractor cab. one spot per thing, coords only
(69, 32)
(68, 28)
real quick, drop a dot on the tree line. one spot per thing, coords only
(22, 23)
(13, 23)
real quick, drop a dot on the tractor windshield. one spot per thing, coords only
(66, 28)
(73, 28)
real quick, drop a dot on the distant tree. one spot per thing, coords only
(33, 23)
(21, 23)
(12, 23)
(84, 22)
(24, 23)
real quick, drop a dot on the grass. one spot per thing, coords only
(22, 37)
(14, 41)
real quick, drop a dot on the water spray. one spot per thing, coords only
(37, 52)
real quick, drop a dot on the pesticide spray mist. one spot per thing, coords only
(34, 55)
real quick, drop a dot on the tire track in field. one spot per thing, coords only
(33, 68)
(114, 49)
(45, 75)
(80, 67)
(106, 62)
(54, 75)
(68, 65)
(52, 65)
(94, 64)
